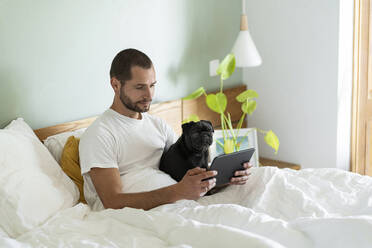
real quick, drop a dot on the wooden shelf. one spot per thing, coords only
(279, 164)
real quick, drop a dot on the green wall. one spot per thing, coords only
(55, 55)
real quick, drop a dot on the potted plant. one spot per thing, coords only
(218, 102)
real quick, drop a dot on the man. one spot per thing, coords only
(120, 152)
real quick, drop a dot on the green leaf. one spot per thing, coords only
(272, 140)
(217, 102)
(222, 101)
(249, 106)
(242, 97)
(195, 94)
(191, 118)
(211, 101)
(227, 66)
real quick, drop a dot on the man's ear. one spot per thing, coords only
(116, 85)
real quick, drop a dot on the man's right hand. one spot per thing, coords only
(191, 187)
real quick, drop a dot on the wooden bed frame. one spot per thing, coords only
(173, 112)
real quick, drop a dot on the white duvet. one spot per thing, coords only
(276, 208)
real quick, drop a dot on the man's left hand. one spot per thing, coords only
(241, 176)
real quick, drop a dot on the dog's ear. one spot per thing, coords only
(209, 124)
(186, 126)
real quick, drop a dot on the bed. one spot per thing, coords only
(276, 208)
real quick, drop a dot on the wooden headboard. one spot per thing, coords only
(173, 112)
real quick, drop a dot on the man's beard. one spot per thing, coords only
(129, 104)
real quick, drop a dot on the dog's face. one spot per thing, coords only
(198, 135)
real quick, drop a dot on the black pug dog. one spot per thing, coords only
(190, 150)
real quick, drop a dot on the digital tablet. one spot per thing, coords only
(227, 164)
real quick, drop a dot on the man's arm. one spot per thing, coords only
(109, 189)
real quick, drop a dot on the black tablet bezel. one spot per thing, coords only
(235, 159)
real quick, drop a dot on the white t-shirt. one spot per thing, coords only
(132, 146)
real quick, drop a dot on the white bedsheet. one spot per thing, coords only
(276, 208)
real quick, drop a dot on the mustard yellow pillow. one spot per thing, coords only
(70, 164)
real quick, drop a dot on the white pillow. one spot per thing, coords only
(33, 186)
(56, 143)
(20, 125)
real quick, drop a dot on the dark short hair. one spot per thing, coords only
(125, 60)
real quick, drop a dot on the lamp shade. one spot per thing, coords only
(245, 51)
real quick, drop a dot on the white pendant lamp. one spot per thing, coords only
(245, 51)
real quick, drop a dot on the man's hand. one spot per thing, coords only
(241, 176)
(191, 187)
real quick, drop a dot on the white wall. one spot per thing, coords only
(55, 56)
(298, 80)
